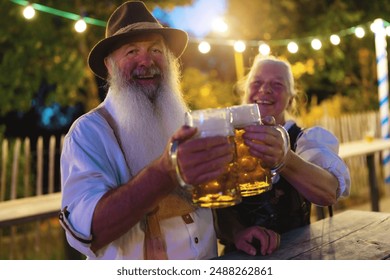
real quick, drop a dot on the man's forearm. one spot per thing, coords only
(123, 207)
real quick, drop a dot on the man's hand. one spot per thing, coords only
(257, 239)
(202, 159)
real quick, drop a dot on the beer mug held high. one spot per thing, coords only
(223, 191)
(253, 179)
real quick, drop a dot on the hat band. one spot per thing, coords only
(137, 26)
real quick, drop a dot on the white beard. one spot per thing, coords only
(144, 128)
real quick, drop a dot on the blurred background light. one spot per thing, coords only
(264, 49)
(204, 47)
(292, 47)
(359, 32)
(80, 26)
(335, 39)
(316, 44)
(29, 12)
(239, 46)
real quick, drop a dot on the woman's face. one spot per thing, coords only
(268, 89)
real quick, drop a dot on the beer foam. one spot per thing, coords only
(243, 115)
(210, 122)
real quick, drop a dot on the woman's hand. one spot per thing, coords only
(266, 143)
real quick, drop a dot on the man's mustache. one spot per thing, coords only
(146, 72)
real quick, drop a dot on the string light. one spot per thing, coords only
(316, 44)
(29, 12)
(204, 47)
(335, 39)
(68, 15)
(219, 26)
(80, 26)
(292, 47)
(264, 49)
(239, 46)
(360, 32)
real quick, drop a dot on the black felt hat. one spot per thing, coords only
(128, 20)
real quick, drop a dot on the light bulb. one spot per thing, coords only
(316, 44)
(292, 47)
(80, 26)
(204, 47)
(335, 39)
(264, 49)
(29, 12)
(359, 32)
(239, 46)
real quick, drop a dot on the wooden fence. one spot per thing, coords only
(24, 170)
(31, 168)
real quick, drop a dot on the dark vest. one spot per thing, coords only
(280, 209)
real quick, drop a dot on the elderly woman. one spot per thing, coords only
(309, 172)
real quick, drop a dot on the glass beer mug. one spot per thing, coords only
(253, 179)
(223, 191)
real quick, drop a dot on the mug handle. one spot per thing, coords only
(286, 140)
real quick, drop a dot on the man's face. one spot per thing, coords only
(141, 61)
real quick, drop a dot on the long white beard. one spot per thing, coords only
(144, 128)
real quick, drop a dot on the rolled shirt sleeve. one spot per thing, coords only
(87, 174)
(319, 146)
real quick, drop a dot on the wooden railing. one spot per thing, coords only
(30, 199)
(23, 169)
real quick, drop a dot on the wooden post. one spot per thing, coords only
(52, 154)
(39, 166)
(4, 162)
(27, 167)
(15, 169)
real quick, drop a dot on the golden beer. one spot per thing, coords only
(223, 191)
(253, 179)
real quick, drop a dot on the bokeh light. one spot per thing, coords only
(29, 12)
(264, 49)
(335, 39)
(239, 46)
(204, 47)
(359, 32)
(80, 26)
(316, 44)
(292, 47)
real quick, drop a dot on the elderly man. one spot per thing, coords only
(121, 195)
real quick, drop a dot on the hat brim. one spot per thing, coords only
(175, 39)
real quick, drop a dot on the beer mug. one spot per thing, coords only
(253, 179)
(223, 191)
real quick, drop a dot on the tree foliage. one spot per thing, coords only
(47, 55)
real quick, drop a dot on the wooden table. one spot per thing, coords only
(368, 149)
(350, 235)
(29, 209)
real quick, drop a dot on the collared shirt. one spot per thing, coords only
(92, 163)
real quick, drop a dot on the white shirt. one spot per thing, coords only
(319, 146)
(92, 163)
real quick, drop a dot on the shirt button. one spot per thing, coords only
(196, 240)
